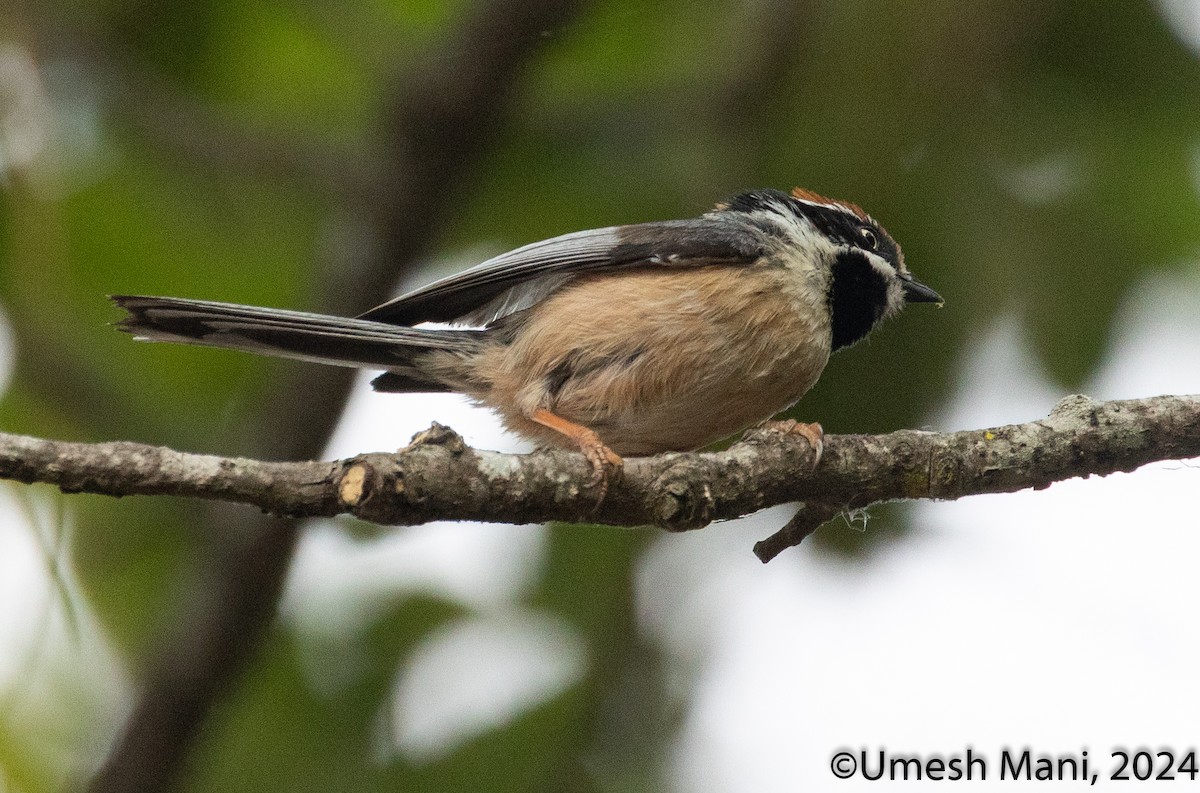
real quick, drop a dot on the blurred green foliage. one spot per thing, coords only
(1032, 156)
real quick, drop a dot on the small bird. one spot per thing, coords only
(626, 340)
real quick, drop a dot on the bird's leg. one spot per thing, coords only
(813, 433)
(606, 464)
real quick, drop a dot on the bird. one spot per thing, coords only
(622, 341)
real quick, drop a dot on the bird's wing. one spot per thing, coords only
(521, 278)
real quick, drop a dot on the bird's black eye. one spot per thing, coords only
(869, 239)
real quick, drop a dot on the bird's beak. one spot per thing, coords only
(917, 292)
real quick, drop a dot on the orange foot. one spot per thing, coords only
(606, 464)
(810, 432)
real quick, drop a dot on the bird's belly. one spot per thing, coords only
(716, 407)
(661, 361)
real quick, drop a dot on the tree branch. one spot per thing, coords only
(438, 477)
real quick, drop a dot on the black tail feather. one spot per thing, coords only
(289, 334)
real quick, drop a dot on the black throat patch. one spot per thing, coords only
(857, 298)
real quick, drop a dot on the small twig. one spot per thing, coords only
(811, 517)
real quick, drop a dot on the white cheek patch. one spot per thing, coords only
(895, 298)
(895, 289)
(882, 266)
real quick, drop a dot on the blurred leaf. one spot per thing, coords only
(285, 68)
(154, 32)
(278, 731)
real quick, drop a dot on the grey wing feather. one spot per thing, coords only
(515, 298)
(516, 280)
(459, 297)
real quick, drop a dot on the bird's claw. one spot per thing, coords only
(813, 433)
(606, 464)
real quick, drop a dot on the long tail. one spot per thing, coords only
(300, 335)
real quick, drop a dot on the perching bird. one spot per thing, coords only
(627, 340)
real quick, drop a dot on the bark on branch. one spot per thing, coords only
(438, 477)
